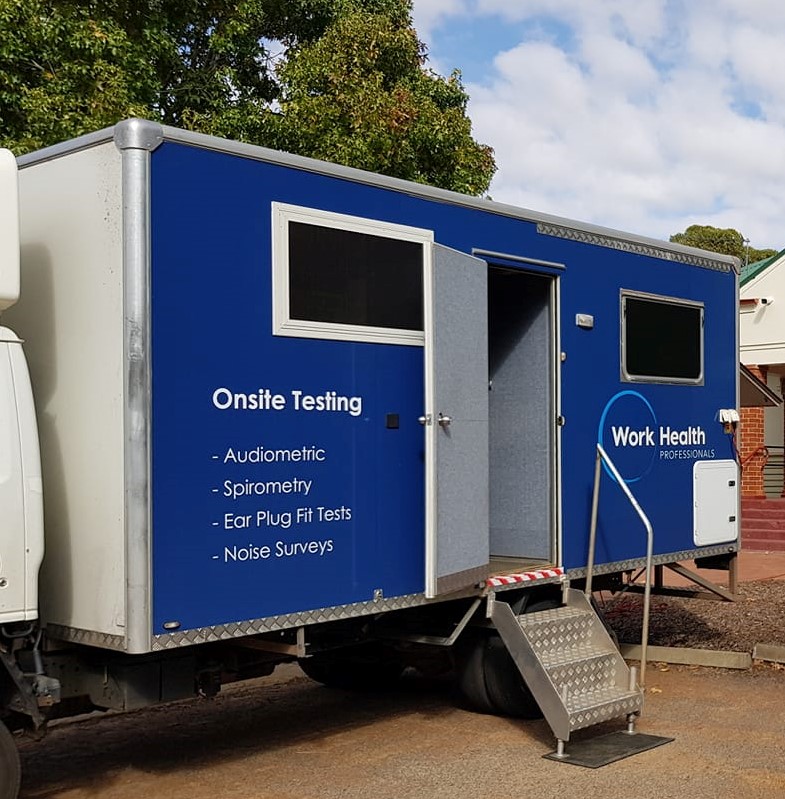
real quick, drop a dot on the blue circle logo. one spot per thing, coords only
(629, 434)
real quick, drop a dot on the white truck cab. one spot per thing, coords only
(21, 496)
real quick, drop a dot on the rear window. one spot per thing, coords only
(662, 339)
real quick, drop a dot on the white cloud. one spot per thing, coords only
(428, 13)
(647, 116)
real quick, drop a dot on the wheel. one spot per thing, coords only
(507, 690)
(471, 675)
(489, 679)
(362, 668)
(10, 770)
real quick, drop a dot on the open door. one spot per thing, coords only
(456, 421)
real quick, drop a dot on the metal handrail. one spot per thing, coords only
(602, 456)
(763, 449)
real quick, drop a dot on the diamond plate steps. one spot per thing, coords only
(572, 667)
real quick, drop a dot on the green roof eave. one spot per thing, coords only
(754, 269)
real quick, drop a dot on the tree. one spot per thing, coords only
(344, 80)
(359, 95)
(723, 240)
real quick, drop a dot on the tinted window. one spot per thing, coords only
(351, 278)
(663, 340)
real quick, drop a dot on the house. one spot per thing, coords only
(762, 435)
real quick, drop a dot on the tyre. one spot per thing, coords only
(507, 690)
(489, 679)
(365, 668)
(10, 770)
(470, 667)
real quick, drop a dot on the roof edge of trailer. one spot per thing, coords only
(143, 134)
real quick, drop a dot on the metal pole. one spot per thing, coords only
(595, 501)
(649, 557)
(646, 602)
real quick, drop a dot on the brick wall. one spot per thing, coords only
(749, 439)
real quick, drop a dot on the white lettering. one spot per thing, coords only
(330, 401)
(249, 488)
(260, 454)
(268, 518)
(265, 400)
(342, 514)
(262, 400)
(241, 554)
(691, 436)
(630, 437)
(625, 437)
(288, 550)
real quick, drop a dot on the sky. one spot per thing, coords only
(642, 115)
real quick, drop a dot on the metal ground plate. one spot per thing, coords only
(605, 749)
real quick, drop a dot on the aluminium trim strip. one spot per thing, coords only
(657, 560)
(490, 255)
(135, 140)
(74, 635)
(551, 225)
(228, 632)
(635, 244)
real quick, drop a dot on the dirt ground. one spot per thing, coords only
(757, 617)
(285, 737)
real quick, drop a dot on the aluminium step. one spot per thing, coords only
(558, 627)
(571, 665)
(582, 672)
(594, 707)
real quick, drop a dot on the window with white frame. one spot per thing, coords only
(344, 277)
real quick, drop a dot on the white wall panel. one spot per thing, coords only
(71, 317)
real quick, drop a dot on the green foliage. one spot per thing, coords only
(360, 95)
(62, 72)
(343, 80)
(723, 240)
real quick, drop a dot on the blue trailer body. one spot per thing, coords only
(316, 497)
(296, 411)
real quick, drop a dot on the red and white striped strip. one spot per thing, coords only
(523, 577)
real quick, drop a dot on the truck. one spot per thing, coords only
(272, 409)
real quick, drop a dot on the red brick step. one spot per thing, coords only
(763, 524)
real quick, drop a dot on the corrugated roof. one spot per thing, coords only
(754, 269)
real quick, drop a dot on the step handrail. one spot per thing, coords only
(603, 457)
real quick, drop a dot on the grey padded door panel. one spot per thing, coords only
(456, 380)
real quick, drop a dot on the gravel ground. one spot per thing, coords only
(757, 617)
(285, 737)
